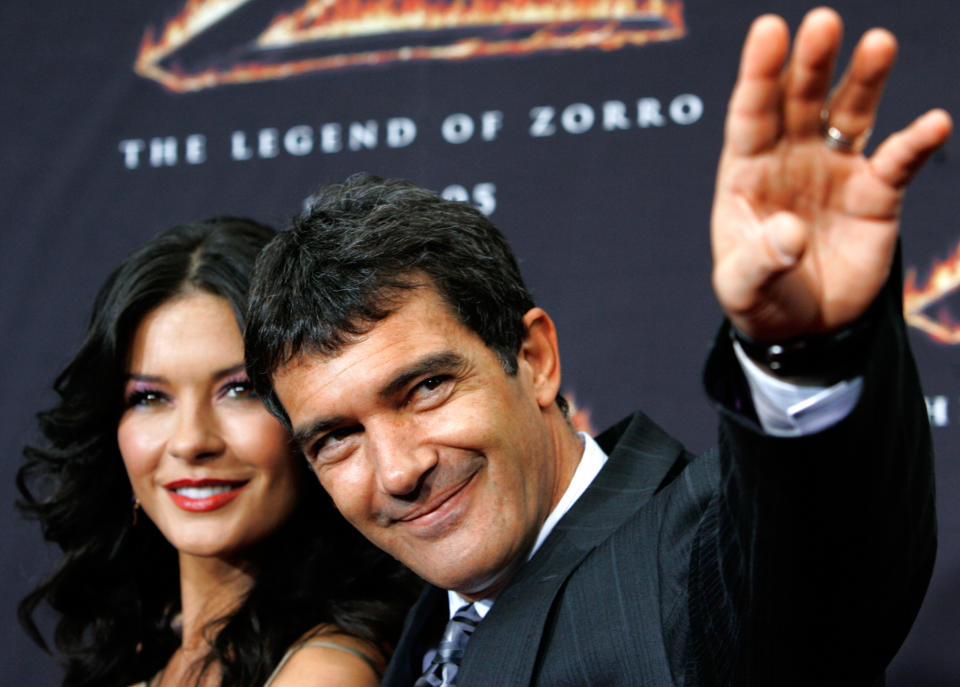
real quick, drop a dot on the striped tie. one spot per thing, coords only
(443, 669)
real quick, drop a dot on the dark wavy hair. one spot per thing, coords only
(348, 258)
(116, 587)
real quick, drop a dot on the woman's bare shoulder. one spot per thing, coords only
(328, 657)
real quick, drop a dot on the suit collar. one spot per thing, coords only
(642, 458)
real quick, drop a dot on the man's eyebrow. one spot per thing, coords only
(304, 433)
(433, 363)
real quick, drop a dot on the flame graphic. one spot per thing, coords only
(944, 279)
(476, 28)
(196, 17)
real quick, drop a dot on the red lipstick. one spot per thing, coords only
(203, 495)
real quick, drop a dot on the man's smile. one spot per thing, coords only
(440, 512)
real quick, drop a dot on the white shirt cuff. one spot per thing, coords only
(790, 410)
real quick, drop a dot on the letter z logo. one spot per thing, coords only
(216, 42)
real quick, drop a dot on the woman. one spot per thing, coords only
(198, 548)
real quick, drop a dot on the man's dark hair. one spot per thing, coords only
(348, 259)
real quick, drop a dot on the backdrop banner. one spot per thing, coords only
(588, 132)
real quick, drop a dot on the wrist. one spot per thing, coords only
(818, 359)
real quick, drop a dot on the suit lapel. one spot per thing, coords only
(401, 672)
(642, 459)
(504, 648)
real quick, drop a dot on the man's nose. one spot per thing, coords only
(401, 461)
(196, 433)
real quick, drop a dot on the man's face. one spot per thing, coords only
(427, 446)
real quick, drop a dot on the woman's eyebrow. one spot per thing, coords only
(232, 370)
(134, 377)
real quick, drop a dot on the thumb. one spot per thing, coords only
(785, 235)
(774, 246)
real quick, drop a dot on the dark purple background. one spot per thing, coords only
(611, 227)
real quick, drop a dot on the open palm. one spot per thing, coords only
(803, 233)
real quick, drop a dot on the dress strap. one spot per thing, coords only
(326, 645)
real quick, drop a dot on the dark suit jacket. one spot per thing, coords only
(766, 561)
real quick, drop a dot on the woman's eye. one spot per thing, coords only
(239, 389)
(145, 399)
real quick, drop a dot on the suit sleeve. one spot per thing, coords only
(813, 557)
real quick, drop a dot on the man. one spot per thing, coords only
(391, 330)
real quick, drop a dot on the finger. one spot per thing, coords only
(853, 103)
(753, 116)
(776, 244)
(902, 154)
(810, 71)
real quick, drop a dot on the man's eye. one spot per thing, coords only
(430, 392)
(433, 382)
(333, 445)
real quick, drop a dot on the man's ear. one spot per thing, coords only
(540, 352)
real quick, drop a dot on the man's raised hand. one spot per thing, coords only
(804, 226)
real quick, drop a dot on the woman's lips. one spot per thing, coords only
(200, 496)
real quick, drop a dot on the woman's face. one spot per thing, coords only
(212, 468)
